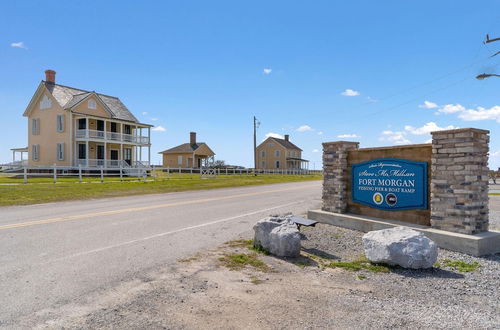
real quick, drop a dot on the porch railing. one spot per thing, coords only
(108, 163)
(111, 136)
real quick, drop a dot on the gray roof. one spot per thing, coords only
(69, 96)
(183, 148)
(286, 144)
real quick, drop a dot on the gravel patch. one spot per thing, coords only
(435, 298)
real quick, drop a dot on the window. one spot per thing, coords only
(113, 127)
(35, 152)
(263, 153)
(60, 151)
(277, 153)
(60, 123)
(35, 126)
(45, 103)
(277, 164)
(92, 104)
(263, 164)
(289, 154)
(179, 160)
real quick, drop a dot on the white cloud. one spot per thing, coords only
(481, 113)
(19, 44)
(144, 113)
(474, 114)
(320, 133)
(315, 150)
(350, 92)
(394, 137)
(159, 129)
(347, 136)
(451, 108)
(275, 135)
(153, 119)
(428, 105)
(304, 128)
(267, 70)
(495, 153)
(427, 128)
(371, 99)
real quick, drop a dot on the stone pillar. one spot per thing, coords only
(335, 175)
(459, 180)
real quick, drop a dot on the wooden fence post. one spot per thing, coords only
(25, 175)
(55, 174)
(102, 175)
(80, 173)
(121, 172)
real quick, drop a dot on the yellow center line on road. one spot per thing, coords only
(144, 208)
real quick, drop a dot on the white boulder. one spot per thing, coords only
(278, 236)
(400, 246)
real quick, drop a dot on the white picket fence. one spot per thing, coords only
(144, 173)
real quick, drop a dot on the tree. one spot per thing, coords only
(493, 176)
(219, 163)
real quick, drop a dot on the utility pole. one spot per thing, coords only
(487, 75)
(255, 126)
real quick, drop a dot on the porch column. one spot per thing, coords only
(87, 152)
(140, 145)
(14, 156)
(149, 146)
(87, 128)
(105, 154)
(121, 154)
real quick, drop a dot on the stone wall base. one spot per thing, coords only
(484, 243)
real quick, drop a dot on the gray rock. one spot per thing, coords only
(400, 246)
(278, 236)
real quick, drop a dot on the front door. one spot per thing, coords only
(127, 155)
(82, 123)
(82, 154)
(114, 157)
(100, 128)
(100, 155)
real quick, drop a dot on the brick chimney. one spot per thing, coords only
(192, 138)
(50, 76)
(287, 137)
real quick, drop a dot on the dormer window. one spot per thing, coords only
(92, 104)
(45, 103)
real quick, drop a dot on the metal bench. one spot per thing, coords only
(303, 222)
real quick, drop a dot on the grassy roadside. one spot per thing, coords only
(65, 191)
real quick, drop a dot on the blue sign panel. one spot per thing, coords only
(390, 184)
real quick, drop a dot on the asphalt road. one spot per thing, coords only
(58, 253)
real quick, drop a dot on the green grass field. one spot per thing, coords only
(43, 190)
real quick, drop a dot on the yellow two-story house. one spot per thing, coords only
(275, 153)
(74, 127)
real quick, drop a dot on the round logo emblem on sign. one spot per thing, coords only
(378, 198)
(391, 199)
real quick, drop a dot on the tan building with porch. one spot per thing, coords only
(275, 153)
(75, 127)
(188, 155)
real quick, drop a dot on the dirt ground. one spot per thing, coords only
(202, 293)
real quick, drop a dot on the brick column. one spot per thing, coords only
(335, 175)
(459, 180)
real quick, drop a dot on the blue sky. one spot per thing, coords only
(317, 70)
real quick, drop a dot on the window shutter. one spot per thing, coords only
(60, 151)
(60, 123)
(35, 152)
(35, 126)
